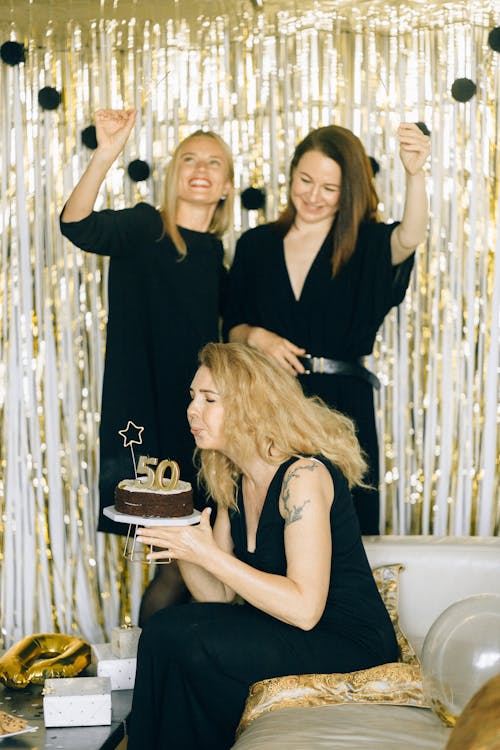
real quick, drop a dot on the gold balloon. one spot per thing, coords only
(41, 656)
(478, 726)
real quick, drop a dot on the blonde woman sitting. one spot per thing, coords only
(286, 539)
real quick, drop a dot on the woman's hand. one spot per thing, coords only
(192, 544)
(282, 350)
(414, 147)
(113, 127)
(414, 150)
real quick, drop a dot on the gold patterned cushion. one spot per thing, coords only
(395, 683)
(387, 580)
(398, 682)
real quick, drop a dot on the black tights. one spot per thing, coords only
(165, 589)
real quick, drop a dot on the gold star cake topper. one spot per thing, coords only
(127, 439)
(132, 435)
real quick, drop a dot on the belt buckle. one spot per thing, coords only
(318, 364)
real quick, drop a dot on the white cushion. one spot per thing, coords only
(438, 572)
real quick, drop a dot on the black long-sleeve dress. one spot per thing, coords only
(337, 318)
(162, 310)
(196, 662)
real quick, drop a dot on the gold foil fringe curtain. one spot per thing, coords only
(262, 84)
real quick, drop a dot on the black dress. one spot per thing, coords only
(336, 318)
(196, 662)
(162, 311)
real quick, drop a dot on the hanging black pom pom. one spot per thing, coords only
(89, 138)
(423, 127)
(494, 39)
(138, 170)
(12, 53)
(49, 98)
(253, 198)
(463, 89)
(375, 165)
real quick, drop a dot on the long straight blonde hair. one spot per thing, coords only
(223, 214)
(266, 412)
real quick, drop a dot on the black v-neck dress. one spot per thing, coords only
(161, 312)
(196, 662)
(336, 318)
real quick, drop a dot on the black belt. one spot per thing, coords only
(325, 366)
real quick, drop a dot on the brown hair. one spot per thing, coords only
(223, 213)
(358, 197)
(266, 411)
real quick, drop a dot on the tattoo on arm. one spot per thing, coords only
(293, 512)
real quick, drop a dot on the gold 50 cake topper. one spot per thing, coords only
(154, 478)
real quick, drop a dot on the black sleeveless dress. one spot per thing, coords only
(196, 662)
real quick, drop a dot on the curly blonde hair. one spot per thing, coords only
(265, 410)
(223, 213)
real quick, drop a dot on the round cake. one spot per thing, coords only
(137, 500)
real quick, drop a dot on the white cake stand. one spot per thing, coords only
(136, 551)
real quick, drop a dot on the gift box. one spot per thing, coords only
(120, 671)
(77, 701)
(124, 641)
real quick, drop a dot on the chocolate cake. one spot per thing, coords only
(137, 500)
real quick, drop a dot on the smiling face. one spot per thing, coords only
(205, 412)
(203, 172)
(315, 188)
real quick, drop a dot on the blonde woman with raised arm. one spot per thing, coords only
(166, 275)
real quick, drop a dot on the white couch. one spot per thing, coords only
(438, 572)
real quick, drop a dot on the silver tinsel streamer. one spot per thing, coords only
(262, 80)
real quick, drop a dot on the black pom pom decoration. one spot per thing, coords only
(89, 138)
(253, 198)
(12, 53)
(423, 127)
(138, 170)
(375, 165)
(494, 39)
(463, 89)
(49, 98)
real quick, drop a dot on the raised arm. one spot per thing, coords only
(112, 130)
(414, 151)
(297, 598)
